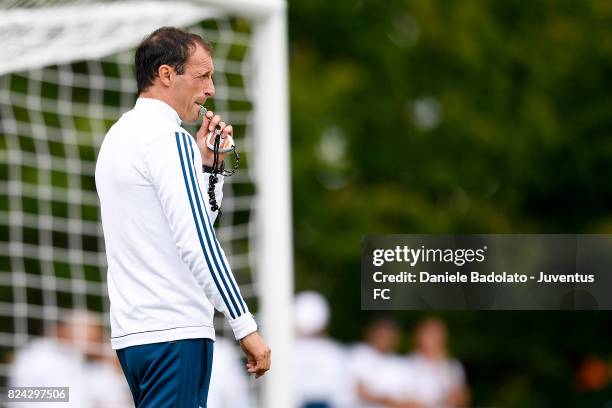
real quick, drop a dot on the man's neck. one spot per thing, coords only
(154, 94)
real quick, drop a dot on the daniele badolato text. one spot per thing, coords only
(417, 257)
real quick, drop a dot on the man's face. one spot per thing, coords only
(431, 338)
(384, 337)
(195, 85)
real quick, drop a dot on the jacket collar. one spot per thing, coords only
(158, 107)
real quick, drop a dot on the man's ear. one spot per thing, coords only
(166, 74)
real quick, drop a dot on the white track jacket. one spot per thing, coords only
(166, 269)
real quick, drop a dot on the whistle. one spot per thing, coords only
(210, 139)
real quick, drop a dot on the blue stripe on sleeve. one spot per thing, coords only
(218, 249)
(178, 145)
(208, 231)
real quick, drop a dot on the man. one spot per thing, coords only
(75, 352)
(377, 355)
(160, 243)
(433, 378)
(320, 364)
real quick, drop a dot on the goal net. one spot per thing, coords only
(65, 77)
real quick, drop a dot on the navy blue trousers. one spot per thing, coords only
(316, 405)
(173, 374)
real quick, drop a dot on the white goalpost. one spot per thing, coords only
(66, 75)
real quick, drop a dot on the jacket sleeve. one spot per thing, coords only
(176, 174)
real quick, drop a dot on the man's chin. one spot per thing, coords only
(192, 117)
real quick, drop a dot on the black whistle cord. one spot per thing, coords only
(219, 169)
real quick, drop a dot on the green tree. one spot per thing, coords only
(454, 116)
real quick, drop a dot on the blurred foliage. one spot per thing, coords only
(455, 116)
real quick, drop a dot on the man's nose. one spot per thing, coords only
(209, 91)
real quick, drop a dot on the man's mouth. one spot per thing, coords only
(201, 108)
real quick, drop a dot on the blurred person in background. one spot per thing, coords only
(229, 387)
(426, 378)
(320, 364)
(75, 355)
(433, 378)
(376, 369)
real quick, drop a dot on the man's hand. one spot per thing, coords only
(257, 353)
(209, 123)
